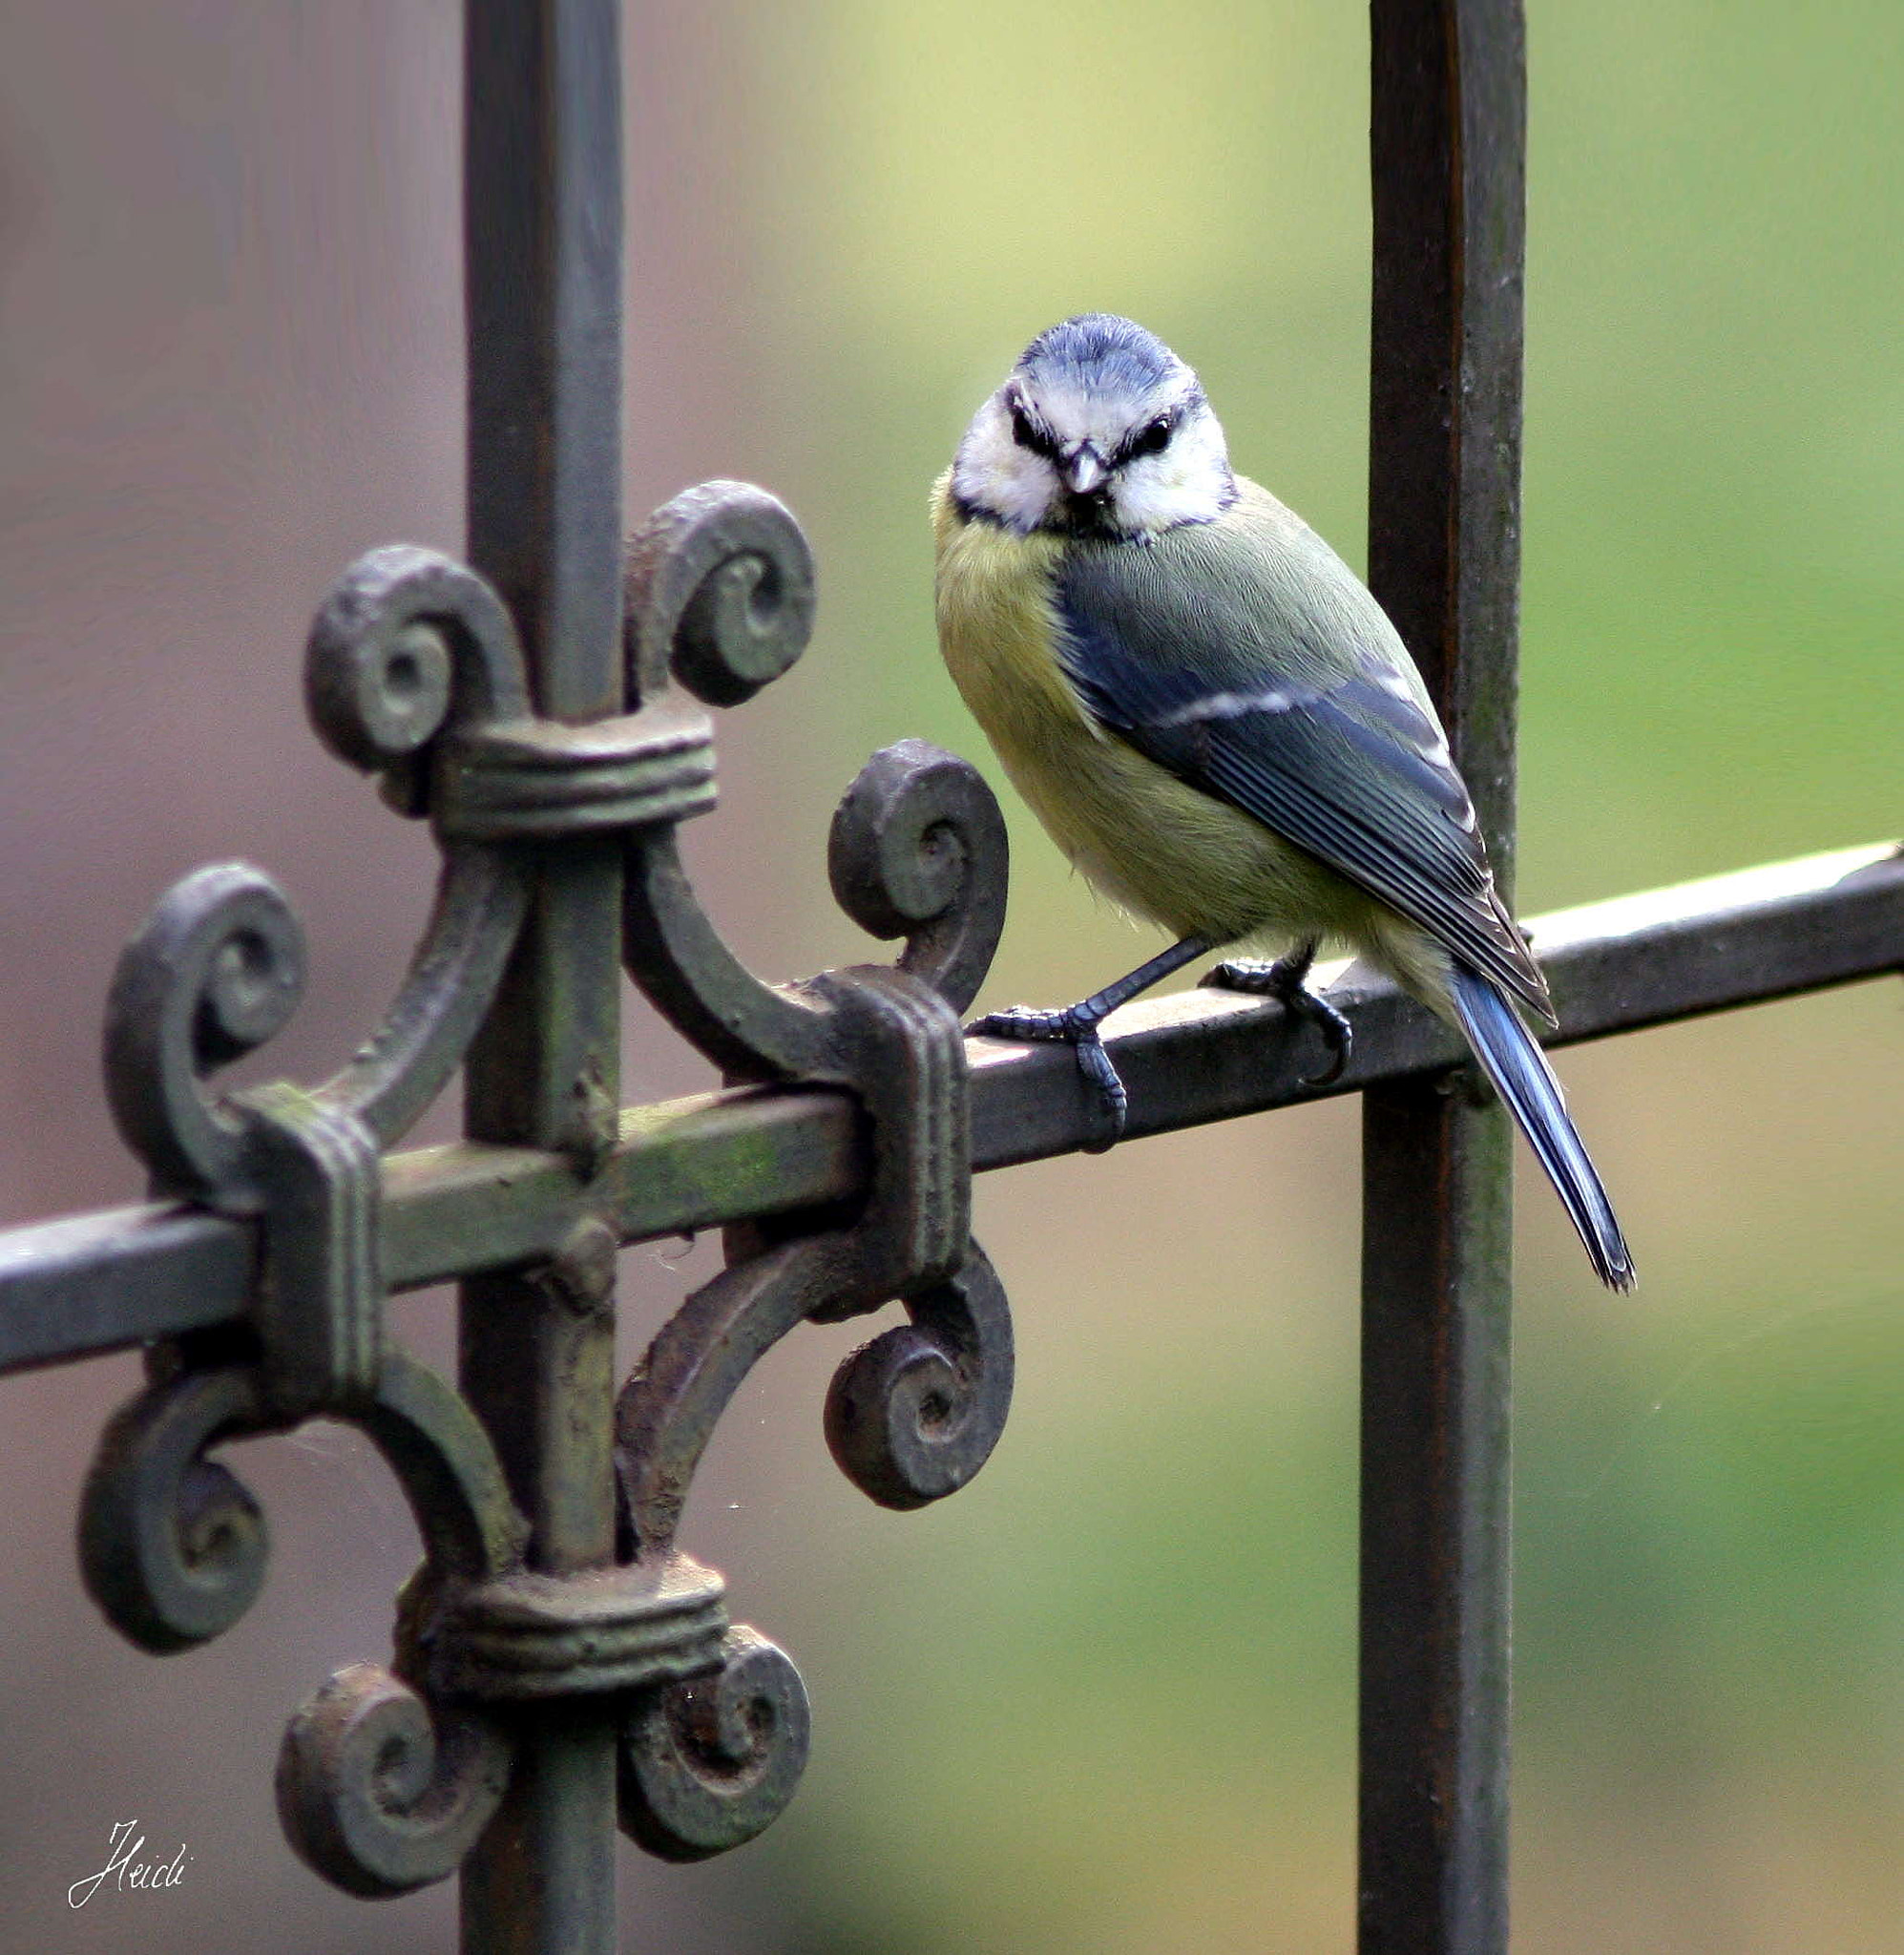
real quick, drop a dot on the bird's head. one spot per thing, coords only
(1100, 430)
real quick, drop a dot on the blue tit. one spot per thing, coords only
(1217, 723)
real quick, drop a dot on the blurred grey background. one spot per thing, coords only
(1103, 1700)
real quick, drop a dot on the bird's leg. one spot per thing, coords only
(1076, 1026)
(1288, 979)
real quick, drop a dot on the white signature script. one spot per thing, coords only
(125, 1869)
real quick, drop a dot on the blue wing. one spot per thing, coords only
(1256, 667)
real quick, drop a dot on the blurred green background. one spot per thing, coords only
(1102, 1701)
(1139, 1735)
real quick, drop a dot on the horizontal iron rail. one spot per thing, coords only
(89, 1284)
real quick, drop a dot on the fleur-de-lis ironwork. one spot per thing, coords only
(556, 1648)
(414, 673)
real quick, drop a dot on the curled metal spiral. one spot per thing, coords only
(911, 1416)
(172, 1546)
(407, 641)
(720, 601)
(414, 673)
(915, 1414)
(707, 1764)
(918, 849)
(719, 598)
(407, 648)
(218, 969)
(668, 1409)
(173, 1549)
(719, 594)
(918, 846)
(382, 1793)
(381, 1789)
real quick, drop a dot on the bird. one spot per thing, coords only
(1217, 723)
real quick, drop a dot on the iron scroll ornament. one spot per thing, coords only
(414, 673)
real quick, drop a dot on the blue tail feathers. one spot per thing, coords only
(1525, 1082)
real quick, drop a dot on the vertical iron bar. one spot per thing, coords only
(1447, 138)
(542, 241)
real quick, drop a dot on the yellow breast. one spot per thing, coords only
(1152, 844)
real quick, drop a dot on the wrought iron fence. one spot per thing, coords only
(561, 1667)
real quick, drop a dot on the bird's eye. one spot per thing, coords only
(1155, 438)
(1023, 431)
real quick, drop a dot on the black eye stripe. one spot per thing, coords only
(1153, 439)
(1027, 434)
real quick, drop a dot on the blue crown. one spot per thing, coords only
(1102, 351)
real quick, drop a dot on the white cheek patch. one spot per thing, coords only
(1189, 482)
(994, 473)
(1022, 489)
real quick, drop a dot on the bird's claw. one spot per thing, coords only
(1337, 1034)
(1033, 1025)
(1026, 1023)
(1283, 980)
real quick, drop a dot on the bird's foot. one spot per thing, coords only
(1076, 1027)
(1286, 979)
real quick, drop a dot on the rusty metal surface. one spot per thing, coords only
(1447, 143)
(561, 1665)
(89, 1284)
(560, 1668)
(542, 266)
(719, 600)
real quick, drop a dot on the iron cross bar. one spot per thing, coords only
(89, 1284)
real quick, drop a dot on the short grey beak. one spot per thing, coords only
(1083, 469)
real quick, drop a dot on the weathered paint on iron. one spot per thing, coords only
(85, 1285)
(550, 723)
(1447, 139)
